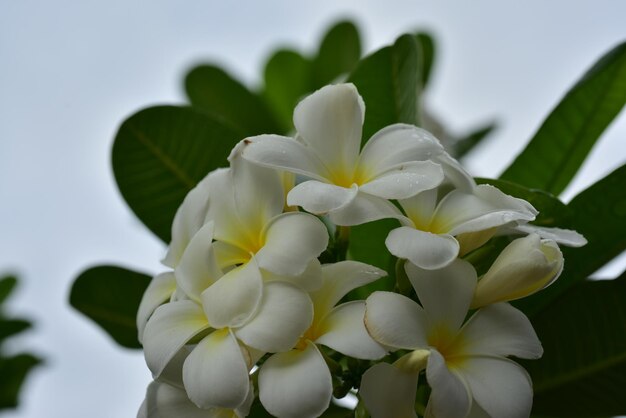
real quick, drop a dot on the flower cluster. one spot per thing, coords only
(246, 308)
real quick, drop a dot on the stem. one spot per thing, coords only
(342, 242)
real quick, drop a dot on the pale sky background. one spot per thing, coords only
(71, 71)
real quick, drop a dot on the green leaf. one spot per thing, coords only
(10, 327)
(561, 144)
(338, 54)
(110, 296)
(583, 370)
(388, 80)
(467, 143)
(287, 77)
(160, 153)
(426, 45)
(14, 371)
(7, 284)
(211, 89)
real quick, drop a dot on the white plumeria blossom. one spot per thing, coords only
(352, 187)
(298, 383)
(468, 363)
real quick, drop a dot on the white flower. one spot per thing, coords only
(524, 267)
(467, 365)
(351, 187)
(298, 383)
(427, 237)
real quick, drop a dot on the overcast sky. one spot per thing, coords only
(71, 71)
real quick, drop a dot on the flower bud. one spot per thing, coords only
(524, 267)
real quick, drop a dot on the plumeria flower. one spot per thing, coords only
(298, 383)
(352, 187)
(467, 368)
(427, 235)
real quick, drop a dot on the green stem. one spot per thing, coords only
(342, 242)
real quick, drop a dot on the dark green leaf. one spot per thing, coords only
(7, 284)
(110, 296)
(160, 153)
(388, 80)
(339, 53)
(9, 327)
(583, 369)
(467, 143)
(211, 89)
(426, 45)
(13, 371)
(287, 79)
(561, 144)
(599, 213)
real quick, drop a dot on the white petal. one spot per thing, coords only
(171, 326)
(565, 237)
(166, 401)
(501, 387)
(310, 280)
(234, 298)
(292, 240)
(424, 249)
(450, 397)
(455, 173)
(486, 207)
(198, 267)
(395, 321)
(295, 384)
(395, 145)
(405, 181)
(284, 154)
(500, 330)
(388, 391)
(228, 255)
(215, 374)
(364, 208)
(420, 208)
(344, 330)
(222, 208)
(330, 121)
(320, 198)
(159, 291)
(284, 314)
(340, 278)
(446, 293)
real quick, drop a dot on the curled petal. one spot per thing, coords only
(455, 173)
(424, 249)
(310, 280)
(159, 291)
(405, 181)
(364, 208)
(450, 396)
(565, 237)
(321, 198)
(296, 384)
(388, 391)
(215, 374)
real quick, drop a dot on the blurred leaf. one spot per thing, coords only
(160, 153)
(426, 45)
(583, 369)
(467, 143)
(211, 89)
(10, 327)
(110, 296)
(13, 371)
(287, 79)
(338, 54)
(561, 144)
(388, 80)
(599, 213)
(7, 284)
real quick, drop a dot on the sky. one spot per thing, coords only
(70, 72)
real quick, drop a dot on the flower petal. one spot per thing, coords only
(330, 122)
(395, 321)
(215, 374)
(395, 145)
(284, 153)
(424, 249)
(500, 386)
(340, 278)
(344, 330)
(455, 173)
(565, 237)
(500, 330)
(310, 280)
(171, 326)
(284, 314)
(198, 268)
(295, 384)
(228, 255)
(159, 291)
(234, 298)
(450, 397)
(446, 293)
(364, 208)
(320, 198)
(388, 391)
(292, 240)
(405, 181)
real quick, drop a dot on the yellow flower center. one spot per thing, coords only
(451, 345)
